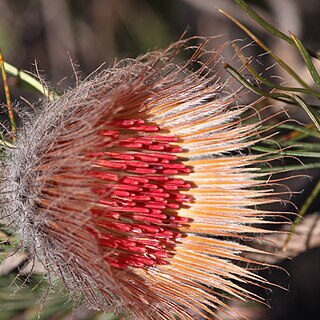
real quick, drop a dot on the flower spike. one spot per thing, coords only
(131, 187)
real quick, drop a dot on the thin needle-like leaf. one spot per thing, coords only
(294, 144)
(266, 49)
(311, 113)
(305, 130)
(306, 154)
(265, 81)
(274, 95)
(307, 59)
(30, 80)
(269, 27)
(290, 99)
(8, 97)
(291, 167)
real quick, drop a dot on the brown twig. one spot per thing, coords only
(8, 98)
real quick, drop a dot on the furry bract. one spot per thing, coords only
(136, 189)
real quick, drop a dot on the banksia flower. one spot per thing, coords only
(133, 189)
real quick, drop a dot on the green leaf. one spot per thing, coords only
(30, 80)
(308, 166)
(269, 27)
(302, 129)
(311, 113)
(247, 84)
(267, 50)
(307, 59)
(268, 83)
(293, 144)
(306, 154)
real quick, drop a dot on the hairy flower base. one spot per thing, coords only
(131, 187)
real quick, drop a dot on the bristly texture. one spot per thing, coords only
(133, 189)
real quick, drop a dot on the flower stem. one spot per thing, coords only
(8, 98)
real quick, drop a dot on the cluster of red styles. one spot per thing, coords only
(146, 193)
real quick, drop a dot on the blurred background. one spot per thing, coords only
(100, 31)
(48, 34)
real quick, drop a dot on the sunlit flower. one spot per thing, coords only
(136, 188)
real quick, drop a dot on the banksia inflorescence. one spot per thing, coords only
(131, 187)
